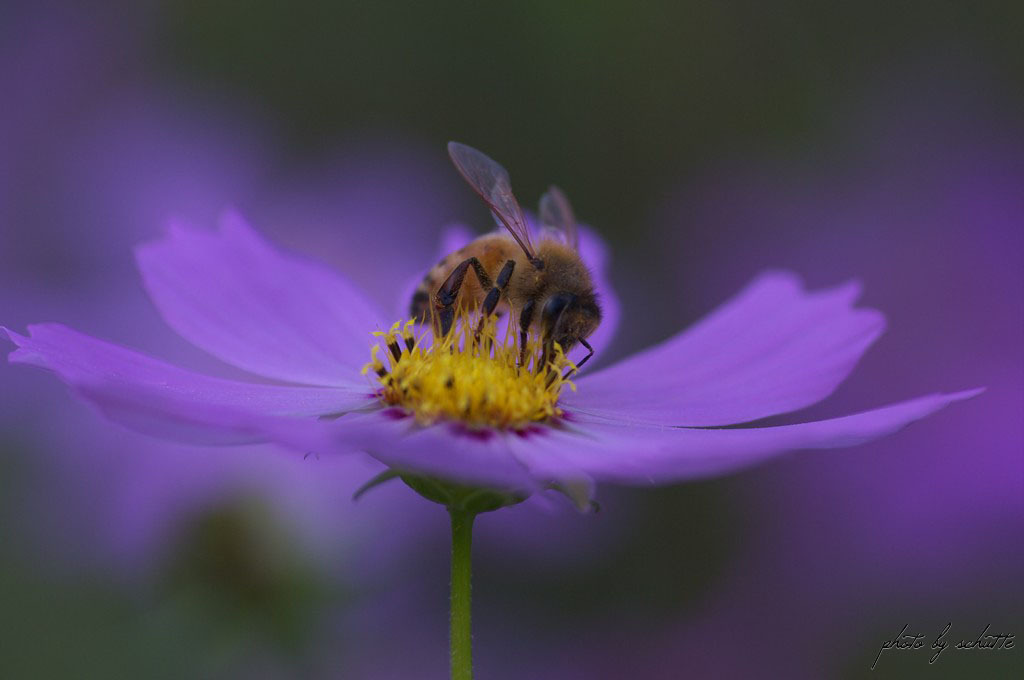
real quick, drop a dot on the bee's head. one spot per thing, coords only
(567, 318)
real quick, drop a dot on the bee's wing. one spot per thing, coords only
(556, 214)
(491, 181)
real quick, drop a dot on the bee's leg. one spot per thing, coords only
(494, 294)
(491, 301)
(449, 291)
(590, 353)
(550, 317)
(419, 306)
(525, 319)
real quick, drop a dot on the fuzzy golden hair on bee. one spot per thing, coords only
(546, 286)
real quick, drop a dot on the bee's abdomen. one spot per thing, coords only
(491, 250)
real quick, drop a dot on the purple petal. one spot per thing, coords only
(445, 450)
(772, 349)
(157, 398)
(630, 453)
(592, 449)
(253, 306)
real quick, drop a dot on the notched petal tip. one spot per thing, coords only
(963, 395)
(782, 277)
(231, 217)
(848, 291)
(18, 355)
(151, 396)
(773, 348)
(27, 350)
(13, 336)
(176, 233)
(645, 454)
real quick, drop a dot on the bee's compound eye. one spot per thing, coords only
(554, 306)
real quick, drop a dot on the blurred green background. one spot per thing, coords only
(616, 102)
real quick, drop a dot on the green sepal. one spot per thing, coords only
(377, 480)
(580, 493)
(471, 499)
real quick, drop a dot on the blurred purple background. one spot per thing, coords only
(706, 142)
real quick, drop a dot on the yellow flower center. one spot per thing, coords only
(468, 376)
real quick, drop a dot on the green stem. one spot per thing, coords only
(461, 635)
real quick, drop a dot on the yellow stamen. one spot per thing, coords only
(469, 378)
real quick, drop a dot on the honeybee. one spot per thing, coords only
(549, 286)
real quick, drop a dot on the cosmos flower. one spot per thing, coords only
(659, 416)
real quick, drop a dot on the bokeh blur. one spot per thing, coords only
(706, 141)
